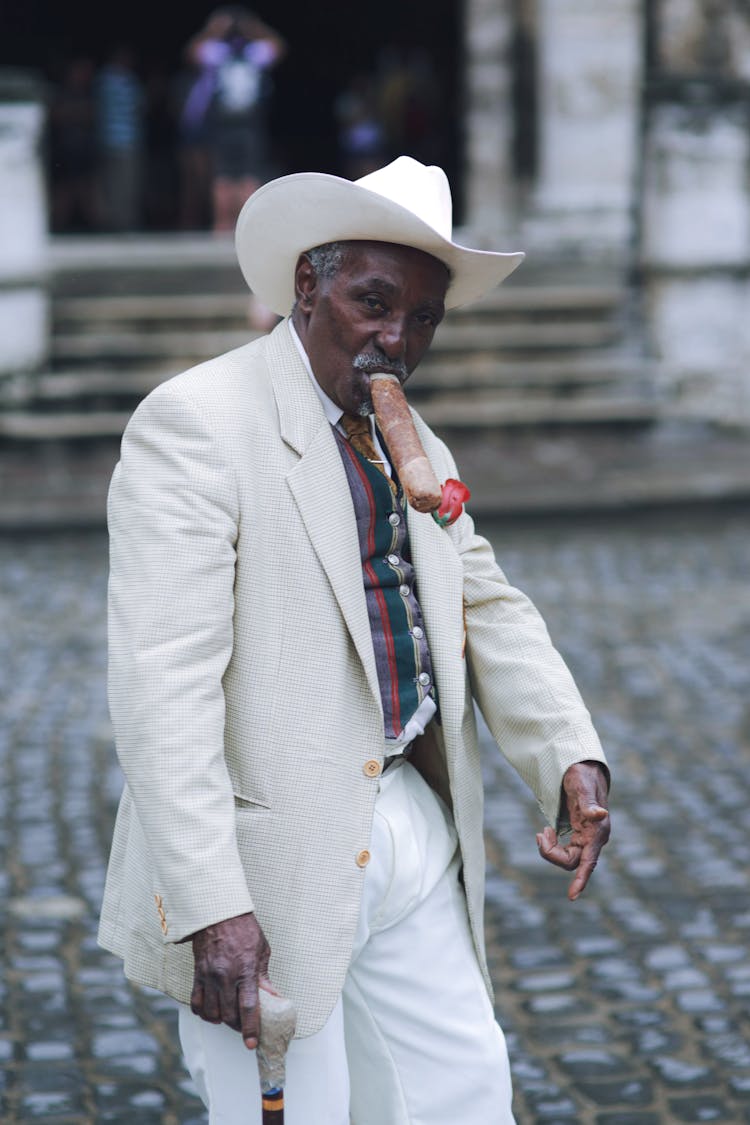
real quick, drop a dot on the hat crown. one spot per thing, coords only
(406, 203)
(419, 188)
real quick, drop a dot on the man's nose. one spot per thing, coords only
(391, 338)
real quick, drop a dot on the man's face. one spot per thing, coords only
(379, 313)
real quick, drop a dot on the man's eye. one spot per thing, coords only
(374, 304)
(427, 320)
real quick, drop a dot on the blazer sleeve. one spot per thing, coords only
(520, 682)
(173, 517)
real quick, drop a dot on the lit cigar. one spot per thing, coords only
(409, 458)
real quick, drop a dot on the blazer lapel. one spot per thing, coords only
(321, 491)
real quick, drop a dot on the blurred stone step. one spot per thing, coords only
(33, 426)
(102, 254)
(497, 337)
(487, 411)
(65, 386)
(467, 412)
(527, 301)
(579, 375)
(573, 376)
(546, 348)
(586, 369)
(183, 348)
(155, 309)
(539, 299)
(190, 345)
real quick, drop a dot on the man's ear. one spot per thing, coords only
(305, 282)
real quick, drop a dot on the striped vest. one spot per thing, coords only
(402, 656)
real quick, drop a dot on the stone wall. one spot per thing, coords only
(24, 306)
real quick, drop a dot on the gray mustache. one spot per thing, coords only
(369, 362)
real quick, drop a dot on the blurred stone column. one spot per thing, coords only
(696, 255)
(695, 249)
(24, 301)
(590, 59)
(488, 119)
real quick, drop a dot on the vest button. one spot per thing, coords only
(362, 858)
(393, 560)
(424, 678)
(372, 768)
(417, 632)
(404, 591)
(394, 519)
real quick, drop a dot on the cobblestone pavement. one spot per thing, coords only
(629, 1007)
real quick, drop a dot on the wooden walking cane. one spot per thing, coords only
(277, 1023)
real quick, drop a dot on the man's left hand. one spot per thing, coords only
(585, 795)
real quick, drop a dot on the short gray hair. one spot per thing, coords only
(327, 259)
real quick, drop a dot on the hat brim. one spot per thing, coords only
(287, 216)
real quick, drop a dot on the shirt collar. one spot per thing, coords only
(332, 411)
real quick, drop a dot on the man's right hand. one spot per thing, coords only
(231, 963)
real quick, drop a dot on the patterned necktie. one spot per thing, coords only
(360, 435)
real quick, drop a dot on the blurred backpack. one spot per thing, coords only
(239, 84)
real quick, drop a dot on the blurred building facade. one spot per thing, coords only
(620, 132)
(611, 136)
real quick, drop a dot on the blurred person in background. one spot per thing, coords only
(120, 114)
(228, 104)
(72, 156)
(233, 53)
(193, 152)
(360, 132)
(410, 103)
(160, 182)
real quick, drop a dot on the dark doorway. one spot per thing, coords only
(332, 46)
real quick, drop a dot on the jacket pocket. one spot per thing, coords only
(252, 804)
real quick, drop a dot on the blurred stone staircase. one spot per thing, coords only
(551, 350)
(538, 352)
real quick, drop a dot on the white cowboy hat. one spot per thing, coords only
(406, 202)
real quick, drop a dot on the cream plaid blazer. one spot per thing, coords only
(243, 688)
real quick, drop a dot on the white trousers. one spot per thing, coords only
(413, 1040)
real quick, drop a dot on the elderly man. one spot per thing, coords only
(295, 658)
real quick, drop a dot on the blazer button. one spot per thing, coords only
(372, 768)
(363, 858)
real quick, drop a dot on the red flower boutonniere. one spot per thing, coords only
(455, 495)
